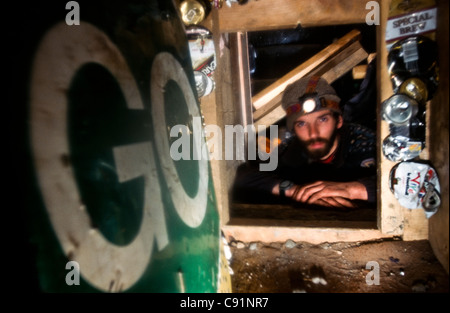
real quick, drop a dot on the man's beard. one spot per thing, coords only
(318, 154)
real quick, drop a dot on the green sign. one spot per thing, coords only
(111, 210)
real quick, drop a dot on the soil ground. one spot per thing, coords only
(290, 267)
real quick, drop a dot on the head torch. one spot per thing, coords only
(311, 102)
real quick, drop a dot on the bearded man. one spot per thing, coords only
(327, 162)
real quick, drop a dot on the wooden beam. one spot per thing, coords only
(270, 14)
(212, 107)
(390, 213)
(304, 215)
(439, 134)
(251, 230)
(242, 97)
(331, 69)
(359, 72)
(392, 217)
(342, 63)
(266, 95)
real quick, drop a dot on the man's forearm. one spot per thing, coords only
(249, 177)
(370, 183)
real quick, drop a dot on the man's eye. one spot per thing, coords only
(300, 124)
(324, 119)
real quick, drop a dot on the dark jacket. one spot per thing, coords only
(354, 160)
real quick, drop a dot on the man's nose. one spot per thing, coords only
(313, 132)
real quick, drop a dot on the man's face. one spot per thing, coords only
(317, 132)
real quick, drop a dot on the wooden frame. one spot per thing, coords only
(393, 220)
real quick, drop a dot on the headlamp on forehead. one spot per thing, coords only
(309, 103)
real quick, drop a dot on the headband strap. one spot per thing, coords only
(312, 84)
(324, 104)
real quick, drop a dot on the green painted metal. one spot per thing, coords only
(115, 153)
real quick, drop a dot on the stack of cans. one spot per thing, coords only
(407, 130)
(203, 57)
(413, 71)
(412, 65)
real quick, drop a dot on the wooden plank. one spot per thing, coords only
(390, 213)
(212, 109)
(305, 215)
(242, 97)
(416, 225)
(269, 14)
(438, 143)
(267, 94)
(392, 217)
(334, 69)
(249, 230)
(359, 72)
(343, 63)
(286, 223)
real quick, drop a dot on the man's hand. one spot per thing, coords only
(331, 194)
(334, 202)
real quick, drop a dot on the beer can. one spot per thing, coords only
(401, 148)
(203, 83)
(202, 49)
(414, 88)
(414, 57)
(193, 12)
(399, 109)
(416, 185)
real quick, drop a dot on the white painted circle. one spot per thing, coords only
(191, 210)
(61, 53)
